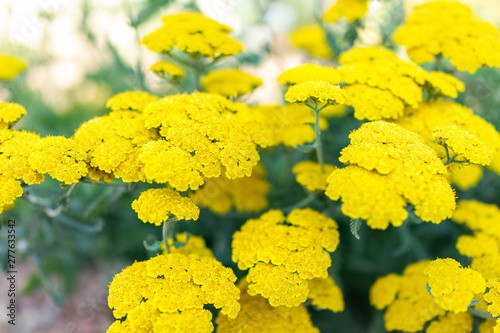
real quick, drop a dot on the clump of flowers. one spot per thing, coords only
(230, 82)
(409, 305)
(311, 176)
(448, 28)
(157, 205)
(10, 67)
(284, 253)
(463, 143)
(321, 92)
(270, 319)
(191, 244)
(312, 38)
(484, 245)
(309, 72)
(289, 125)
(389, 166)
(452, 286)
(10, 113)
(130, 100)
(352, 10)
(169, 292)
(164, 68)
(379, 85)
(192, 33)
(246, 194)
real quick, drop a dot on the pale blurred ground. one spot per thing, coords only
(60, 58)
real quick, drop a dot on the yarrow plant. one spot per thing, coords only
(259, 217)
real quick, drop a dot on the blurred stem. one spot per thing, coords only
(302, 203)
(165, 235)
(437, 62)
(410, 242)
(481, 314)
(317, 139)
(44, 279)
(169, 231)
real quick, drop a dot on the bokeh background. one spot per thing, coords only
(81, 52)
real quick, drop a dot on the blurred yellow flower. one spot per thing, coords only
(309, 72)
(10, 67)
(165, 68)
(230, 82)
(312, 38)
(352, 10)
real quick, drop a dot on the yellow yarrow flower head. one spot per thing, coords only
(10, 67)
(312, 38)
(428, 116)
(352, 10)
(484, 246)
(230, 82)
(389, 166)
(289, 125)
(10, 190)
(169, 292)
(409, 305)
(156, 206)
(201, 134)
(10, 113)
(256, 315)
(284, 253)
(464, 143)
(164, 68)
(130, 100)
(62, 158)
(451, 323)
(493, 297)
(443, 84)
(379, 84)
(449, 28)
(452, 286)
(15, 157)
(246, 194)
(309, 72)
(325, 294)
(310, 175)
(466, 177)
(193, 245)
(321, 92)
(193, 33)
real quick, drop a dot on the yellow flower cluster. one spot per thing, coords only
(379, 84)
(429, 116)
(452, 286)
(493, 297)
(230, 82)
(156, 206)
(310, 175)
(449, 28)
(312, 38)
(16, 147)
(177, 140)
(464, 143)
(290, 124)
(130, 100)
(194, 245)
(465, 177)
(388, 167)
(165, 68)
(168, 293)
(409, 305)
(318, 91)
(10, 67)
(246, 194)
(284, 253)
(197, 139)
(352, 10)
(256, 315)
(62, 158)
(193, 33)
(309, 72)
(325, 294)
(484, 246)
(451, 323)
(10, 113)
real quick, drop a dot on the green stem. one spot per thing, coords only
(437, 62)
(481, 313)
(317, 140)
(302, 203)
(452, 159)
(165, 235)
